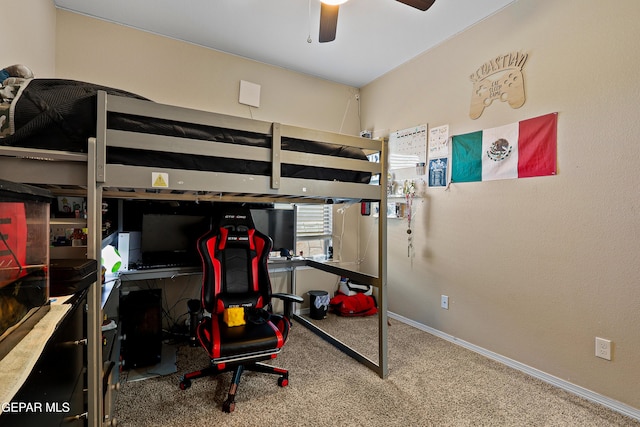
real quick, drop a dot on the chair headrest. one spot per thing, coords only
(237, 219)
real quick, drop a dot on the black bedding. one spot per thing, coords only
(60, 114)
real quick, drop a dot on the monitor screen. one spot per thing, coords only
(279, 224)
(171, 238)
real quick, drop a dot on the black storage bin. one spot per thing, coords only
(68, 276)
(318, 304)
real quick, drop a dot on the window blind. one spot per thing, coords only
(313, 220)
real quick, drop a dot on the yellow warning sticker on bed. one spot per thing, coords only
(159, 180)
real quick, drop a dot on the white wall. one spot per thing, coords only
(534, 268)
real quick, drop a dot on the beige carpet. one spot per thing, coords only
(431, 383)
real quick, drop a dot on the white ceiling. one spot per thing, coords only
(373, 36)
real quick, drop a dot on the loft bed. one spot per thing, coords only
(122, 157)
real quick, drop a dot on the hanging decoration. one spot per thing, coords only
(409, 190)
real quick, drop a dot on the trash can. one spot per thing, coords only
(318, 304)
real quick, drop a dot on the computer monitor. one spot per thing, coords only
(171, 238)
(279, 224)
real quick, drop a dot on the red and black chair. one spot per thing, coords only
(235, 279)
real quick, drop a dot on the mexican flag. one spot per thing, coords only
(517, 150)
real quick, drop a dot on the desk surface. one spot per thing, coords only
(346, 269)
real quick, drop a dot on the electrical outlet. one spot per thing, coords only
(444, 302)
(603, 348)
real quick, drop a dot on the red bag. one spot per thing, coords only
(353, 305)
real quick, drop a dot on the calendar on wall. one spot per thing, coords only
(408, 148)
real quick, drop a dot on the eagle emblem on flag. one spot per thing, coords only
(499, 150)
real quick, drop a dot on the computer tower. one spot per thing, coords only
(141, 316)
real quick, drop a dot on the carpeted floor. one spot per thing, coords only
(431, 383)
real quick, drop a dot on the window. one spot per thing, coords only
(313, 229)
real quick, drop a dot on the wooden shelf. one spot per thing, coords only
(70, 222)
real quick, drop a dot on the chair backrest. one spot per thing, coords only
(234, 259)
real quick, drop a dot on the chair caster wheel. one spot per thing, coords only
(228, 406)
(185, 384)
(283, 382)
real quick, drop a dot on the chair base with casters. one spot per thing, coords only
(245, 361)
(229, 404)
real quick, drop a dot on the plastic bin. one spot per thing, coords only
(318, 304)
(68, 276)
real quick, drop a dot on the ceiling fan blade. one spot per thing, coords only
(328, 22)
(419, 4)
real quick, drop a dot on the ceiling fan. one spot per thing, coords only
(329, 15)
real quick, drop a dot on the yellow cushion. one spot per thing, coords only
(233, 316)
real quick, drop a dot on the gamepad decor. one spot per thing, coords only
(508, 86)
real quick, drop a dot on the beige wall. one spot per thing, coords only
(30, 34)
(178, 73)
(535, 268)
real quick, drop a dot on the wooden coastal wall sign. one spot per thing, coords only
(499, 78)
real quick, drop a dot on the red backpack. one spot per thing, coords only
(353, 305)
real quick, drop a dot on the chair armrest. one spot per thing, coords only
(288, 300)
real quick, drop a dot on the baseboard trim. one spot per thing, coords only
(612, 404)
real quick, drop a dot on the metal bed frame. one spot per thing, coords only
(89, 175)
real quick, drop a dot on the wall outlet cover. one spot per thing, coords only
(444, 302)
(603, 348)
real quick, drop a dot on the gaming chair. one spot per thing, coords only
(241, 330)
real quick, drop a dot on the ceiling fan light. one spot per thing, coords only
(333, 2)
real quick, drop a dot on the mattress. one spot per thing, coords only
(60, 114)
